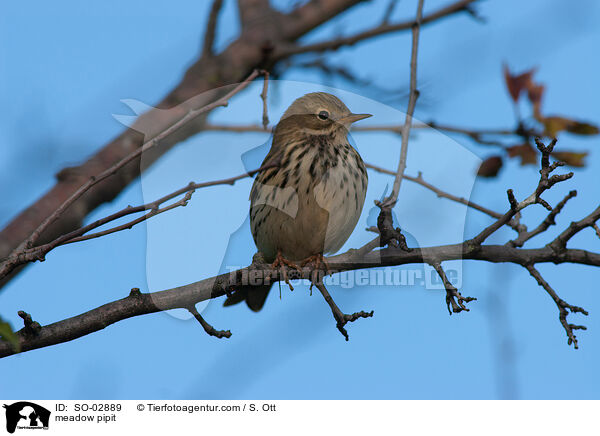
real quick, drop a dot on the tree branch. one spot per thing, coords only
(201, 81)
(575, 227)
(19, 256)
(334, 44)
(211, 29)
(563, 307)
(443, 194)
(546, 182)
(186, 296)
(209, 329)
(544, 225)
(454, 300)
(39, 252)
(412, 102)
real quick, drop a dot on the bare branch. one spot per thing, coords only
(311, 14)
(209, 329)
(454, 298)
(186, 296)
(202, 81)
(563, 307)
(596, 228)
(252, 12)
(39, 252)
(340, 317)
(575, 227)
(334, 44)
(388, 234)
(31, 327)
(544, 225)
(412, 102)
(389, 11)
(211, 29)
(263, 97)
(8, 265)
(546, 182)
(443, 194)
(241, 128)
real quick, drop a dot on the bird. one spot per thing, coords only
(309, 195)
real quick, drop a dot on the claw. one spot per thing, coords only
(316, 260)
(281, 263)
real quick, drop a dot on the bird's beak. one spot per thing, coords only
(353, 118)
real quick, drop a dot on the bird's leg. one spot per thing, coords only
(340, 317)
(316, 260)
(281, 263)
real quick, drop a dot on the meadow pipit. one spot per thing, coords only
(309, 203)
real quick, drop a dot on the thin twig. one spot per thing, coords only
(263, 97)
(9, 265)
(221, 102)
(544, 225)
(389, 11)
(545, 182)
(207, 327)
(78, 235)
(563, 307)
(443, 194)
(340, 317)
(412, 101)
(454, 300)
(560, 243)
(596, 228)
(211, 29)
(334, 44)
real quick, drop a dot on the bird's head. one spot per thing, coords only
(319, 113)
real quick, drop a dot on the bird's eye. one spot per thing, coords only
(323, 115)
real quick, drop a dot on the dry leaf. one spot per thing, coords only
(518, 83)
(535, 92)
(490, 166)
(525, 151)
(571, 158)
(555, 124)
(581, 128)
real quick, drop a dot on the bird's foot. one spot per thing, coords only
(283, 264)
(316, 262)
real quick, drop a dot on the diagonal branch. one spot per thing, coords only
(334, 44)
(14, 258)
(443, 194)
(546, 182)
(211, 29)
(544, 225)
(341, 318)
(563, 307)
(209, 329)
(253, 12)
(153, 208)
(575, 227)
(201, 81)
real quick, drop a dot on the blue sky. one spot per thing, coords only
(67, 66)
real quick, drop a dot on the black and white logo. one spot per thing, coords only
(26, 415)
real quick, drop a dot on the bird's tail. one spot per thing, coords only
(255, 296)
